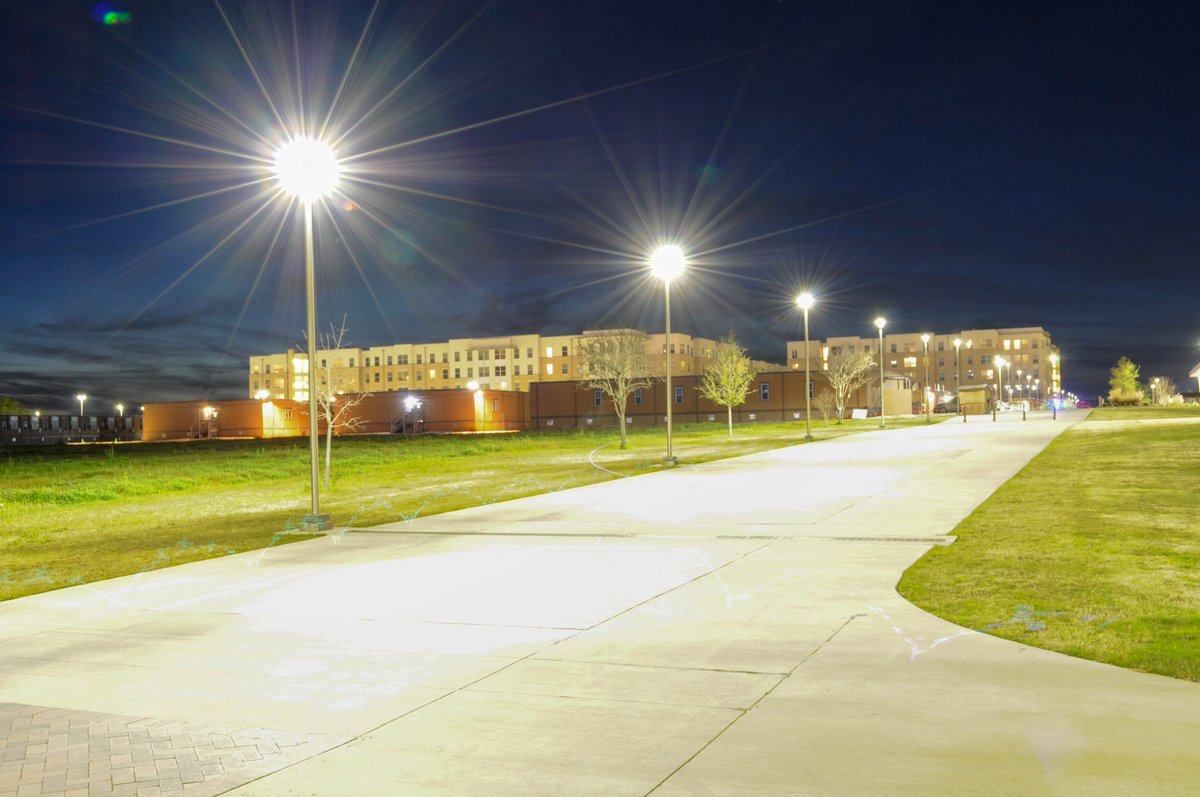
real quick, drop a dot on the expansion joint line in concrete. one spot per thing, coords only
(743, 712)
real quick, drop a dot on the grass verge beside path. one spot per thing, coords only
(1093, 549)
(79, 514)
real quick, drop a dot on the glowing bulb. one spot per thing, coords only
(667, 262)
(881, 322)
(805, 300)
(306, 168)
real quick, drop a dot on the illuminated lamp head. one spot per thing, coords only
(307, 169)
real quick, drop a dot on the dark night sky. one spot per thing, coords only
(948, 165)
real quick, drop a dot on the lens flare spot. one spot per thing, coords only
(111, 14)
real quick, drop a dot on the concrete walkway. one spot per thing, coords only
(725, 629)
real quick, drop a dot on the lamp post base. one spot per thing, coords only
(670, 462)
(316, 523)
(808, 438)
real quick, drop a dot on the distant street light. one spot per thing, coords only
(805, 300)
(308, 170)
(667, 263)
(881, 322)
(121, 410)
(957, 370)
(925, 392)
(81, 397)
(999, 362)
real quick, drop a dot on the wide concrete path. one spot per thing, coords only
(725, 629)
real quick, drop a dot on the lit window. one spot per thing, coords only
(550, 369)
(910, 362)
(549, 351)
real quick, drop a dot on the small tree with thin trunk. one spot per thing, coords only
(825, 404)
(727, 378)
(847, 371)
(1164, 389)
(335, 404)
(615, 363)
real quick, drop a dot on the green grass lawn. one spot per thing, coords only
(1093, 549)
(78, 514)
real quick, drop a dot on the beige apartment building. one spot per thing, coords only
(1034, 364)
(498, 363)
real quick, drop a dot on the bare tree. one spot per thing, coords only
(616, 364)
(335, 403)
(727, 378)
(847, 371)
(826, 405)
(1164, 389)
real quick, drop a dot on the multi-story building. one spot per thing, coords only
(1033, 364)
(499, 363)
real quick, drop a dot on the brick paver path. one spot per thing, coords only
(67, 753)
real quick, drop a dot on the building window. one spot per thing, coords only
(679, 395)
(457, 354)
(516, 352)
(893, 348)
(499, 354)
(941, 361)
(389, 376)
(984, 359)
(445, 358)
(529, 370)
(495, 405)
(549, 351)
(637, 397)
(389, 360)
(942, 378)
(501, 370)
(377, 377)
(550, 369)
(484, 371)
(377, 361)
(470, 356)
(457, 375)
(597, 397)
(470, 373)
(941, 345)
(529, 352)
(445, 373)
(418, 359)
(351, 363)
(764, 391)
(402, 359)
(564, 351)
(267, 368)
(483, 355)
(417, 376)
(910, 362)
(970, 360)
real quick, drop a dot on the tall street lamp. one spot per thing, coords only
(925, 393)
(805, 300)
(881, 322)
(957, 371)
(667, 263)
(999, 362)
(1036, 392)
(308, 170)
(81, 397)
(121, 410)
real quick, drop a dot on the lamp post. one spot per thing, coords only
(1054, 390)
(925, 392)
(81, 397)
(999, 361)
(1154, 390)
(805, 300)
(667, 263)
(881, 322)
(308, 170)
(1036, 392)
(957, 371)
(121, 410)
